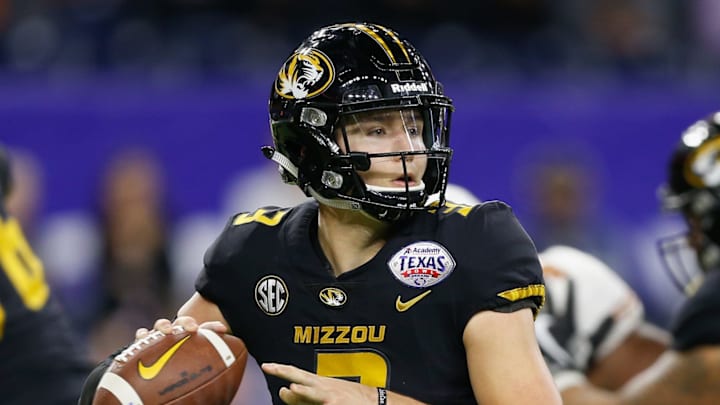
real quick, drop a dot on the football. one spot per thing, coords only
(181, 368)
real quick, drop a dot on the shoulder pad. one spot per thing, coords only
(245, 229)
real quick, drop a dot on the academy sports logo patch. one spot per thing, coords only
(306, 74)
(271, 295)
(422, 264)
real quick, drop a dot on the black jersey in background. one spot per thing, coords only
(41, 361)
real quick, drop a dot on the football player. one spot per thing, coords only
(42, 361)
(688, 372)
(595, 316)
(589, 308)
(366, 294)
(591, 312)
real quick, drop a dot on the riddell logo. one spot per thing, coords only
(409, 87)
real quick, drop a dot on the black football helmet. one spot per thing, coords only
(341, 71)
(693, 189)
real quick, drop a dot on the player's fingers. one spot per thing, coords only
(289, 373)
(141, 333)
(308, 394)
(288, 396)
(292, 398)
(215, 326)
(163, 325)
(186, 322)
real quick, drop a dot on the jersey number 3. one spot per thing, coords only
(365, 366)
(22, 268)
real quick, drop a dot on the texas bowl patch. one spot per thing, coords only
(422, 264)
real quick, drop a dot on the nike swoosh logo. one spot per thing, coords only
(404, 306)
(150, 372)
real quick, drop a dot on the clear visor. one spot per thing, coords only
(395, 143)
(383, 131)
(403, 150)
(386, 132)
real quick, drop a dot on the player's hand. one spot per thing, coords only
(186, 323)
(308, 388)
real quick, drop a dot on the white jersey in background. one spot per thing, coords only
(605, 310)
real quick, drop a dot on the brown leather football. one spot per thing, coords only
(181, 368)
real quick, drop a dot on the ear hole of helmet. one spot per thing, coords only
(313, 116)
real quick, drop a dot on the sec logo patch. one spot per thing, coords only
(422, 264)
(271, 295)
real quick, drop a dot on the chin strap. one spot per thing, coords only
(334, 202)
(287, 165)
(280, 159)
(354, 205)
(380, 189)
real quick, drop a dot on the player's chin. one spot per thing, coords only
(396, 185)
(391, 181)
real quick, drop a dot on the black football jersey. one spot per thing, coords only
(397, 321)
(42, 362)
(696, 323)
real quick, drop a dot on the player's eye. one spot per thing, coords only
(377, 131)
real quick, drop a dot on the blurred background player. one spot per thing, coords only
(596, 317)
(687, 373)
(135, 272)
(592, 311)
(42, 361)
(562, 185)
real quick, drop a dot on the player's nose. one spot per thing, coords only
(402, 142)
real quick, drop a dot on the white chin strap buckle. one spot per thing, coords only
(411, 189)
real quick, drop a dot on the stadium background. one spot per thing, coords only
(190, 79)
(605, 84)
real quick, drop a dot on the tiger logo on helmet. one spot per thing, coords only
(307, 73)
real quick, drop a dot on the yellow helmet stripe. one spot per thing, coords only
(396, 40)
(372, 34)
(710, 149)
